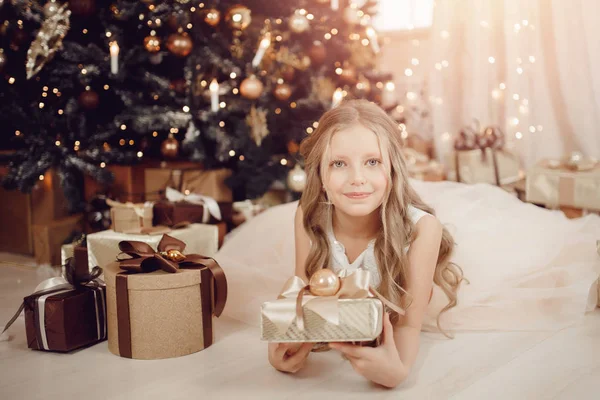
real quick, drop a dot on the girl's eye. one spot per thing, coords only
(337, 163)
(373, 162)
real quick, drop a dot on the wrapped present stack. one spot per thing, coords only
(334, 308)
(480, 157)
(161, 302)
(38, 222)
(571, 184)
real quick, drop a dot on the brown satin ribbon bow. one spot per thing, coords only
(473, 138)
(170, 258)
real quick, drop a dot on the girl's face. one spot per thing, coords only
(356, 179)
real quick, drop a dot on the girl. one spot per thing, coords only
(358, 211)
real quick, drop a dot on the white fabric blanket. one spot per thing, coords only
(529, 268)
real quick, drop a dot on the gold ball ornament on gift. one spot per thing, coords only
(251, 87)
(170, 147)
(238, 17)
(180, 44)
(211, 16)
(152, 44)
(324, 282)
(296, 179)
(282, 91)
(298, 23)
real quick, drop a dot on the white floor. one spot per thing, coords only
(520, 365)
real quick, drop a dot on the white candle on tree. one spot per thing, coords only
(372, 35)
(114, 58)
(262, 48)
(214, 95)
(338, 95)
(335, 5)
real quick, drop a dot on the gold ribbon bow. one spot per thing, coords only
(354, 286)
(170, 258)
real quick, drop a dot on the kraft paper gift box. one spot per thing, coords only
(65, 314)
(479, 166)
(352, 315)
(130, 217)
(48, 238)
(208, 183)
(553, 183)
(103, 247)
(160, 305)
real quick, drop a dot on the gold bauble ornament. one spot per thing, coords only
(251, 87)
(299, 23)
(170, 147)
(296, 179)
(238, 17)
(180, 44)
(282, 91)
(211, 16)
(175, 255)
(324, 282)
(152, 44)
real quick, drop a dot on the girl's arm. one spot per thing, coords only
(422, 257)
(302, 244)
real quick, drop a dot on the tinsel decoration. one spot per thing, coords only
(257, 121)
(48, 41)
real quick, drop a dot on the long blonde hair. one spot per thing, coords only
(392, 260)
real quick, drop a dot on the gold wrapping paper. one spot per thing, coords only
(130, 217)
(475, 169)
(165, 312)
(555, 187)
(354, 313)
(103, 247)
(359, 320)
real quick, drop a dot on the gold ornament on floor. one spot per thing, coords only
(170, 147)
(296, 179)
(324, 282)
(282, 91)
(211, 16)
(238, 17)
(298, 22)
(251, 87)
(257, 121)
(180, 44)
(152, 44)
(48, 41)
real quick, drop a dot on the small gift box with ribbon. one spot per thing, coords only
(130, 217)
(64, 314)
(479, 157)
(191, 207)
(161, 303)
(571, 182)
(330, 308)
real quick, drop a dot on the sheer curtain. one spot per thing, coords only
(529, 66)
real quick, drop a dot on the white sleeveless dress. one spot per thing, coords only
(366, 260)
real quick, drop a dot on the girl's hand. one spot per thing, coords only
(289, 357)
(381, 364)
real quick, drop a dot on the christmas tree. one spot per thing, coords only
(89, 83)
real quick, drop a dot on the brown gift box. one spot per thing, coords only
(130, 217)
(45, 203)
(48, 238)
(158, 314)
(66, 320)
(208, 183)
(128, 184)
(559, 186)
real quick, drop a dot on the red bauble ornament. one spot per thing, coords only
(89, 100)
(180, 44)
(317, 53)
(82, 8)
(170, 147)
